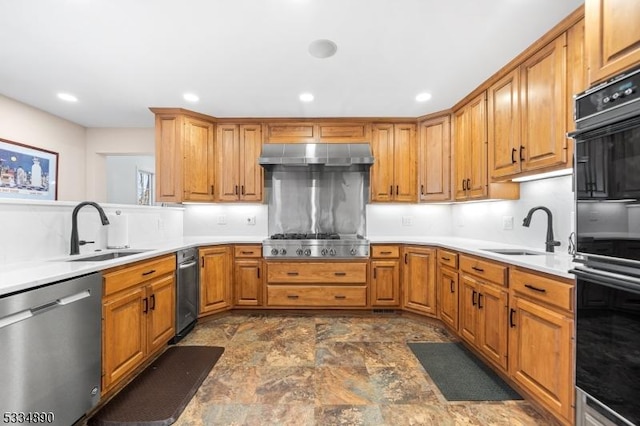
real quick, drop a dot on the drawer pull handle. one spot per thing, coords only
(446, 259)
(385, 252)
(292, 274)
(340, 274)
(475, 268)
(340, 296)
(534, 288)
(246, 252)
(511, 323)
(292, 296)
(149, 272)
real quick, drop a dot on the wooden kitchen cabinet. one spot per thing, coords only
(612, 37)
(483, 308)
(215, 279)
(434, 139)
(184, 156)
(419, 279)
(239, 176)
(138, 316)
(447, 291)
(394, 172)
(247, 276)
(319, 284)
(385, 276)
(344, 132)
(541, 340)
(290, 132)
(504, 126)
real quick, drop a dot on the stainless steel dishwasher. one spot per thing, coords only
(50, 349)
(187, 292)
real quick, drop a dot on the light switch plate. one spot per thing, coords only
(222, 220)
(407, 221)
(251, 220)
(507, 223)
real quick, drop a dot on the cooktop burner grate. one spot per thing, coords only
(306, 236)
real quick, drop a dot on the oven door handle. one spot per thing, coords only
(608, 279)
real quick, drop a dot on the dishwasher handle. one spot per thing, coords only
(35, 310)
(187, 265)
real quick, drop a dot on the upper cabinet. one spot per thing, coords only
(613, 37)
(184, 156)
(394, 172)
(435, 159)
(239, 176)
(299, 131)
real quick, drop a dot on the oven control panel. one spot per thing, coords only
(610, 95)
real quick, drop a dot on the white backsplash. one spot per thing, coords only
(401, 220)
(41, 230)
(226, 220)
(485, 220)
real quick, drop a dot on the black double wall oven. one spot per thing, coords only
(607, 188)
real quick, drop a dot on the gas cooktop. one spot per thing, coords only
(324, 244)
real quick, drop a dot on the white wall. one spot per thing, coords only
(30, 126)
(121, 176)
(101, 142)
(419, 220)
(484, 220)
(203, 220)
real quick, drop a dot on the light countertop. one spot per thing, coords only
(25, 275)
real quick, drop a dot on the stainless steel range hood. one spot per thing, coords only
(307, 154)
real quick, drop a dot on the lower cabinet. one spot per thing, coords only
(483, 308)
(541, 340)
(316, 284)
(247, 276)
(138, 316)
(447, 288)
(419, 280)
(215, 279)
(385, 276)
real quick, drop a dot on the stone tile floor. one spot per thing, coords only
(290, 369)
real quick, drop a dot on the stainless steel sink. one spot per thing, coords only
(107, 256)
(514, 252)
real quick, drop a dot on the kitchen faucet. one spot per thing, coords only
(550, 243)
(75, 244)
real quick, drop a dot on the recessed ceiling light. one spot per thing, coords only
(306, 97)
(322, 48)
(67, 97)
(423, 97)
(190, 97)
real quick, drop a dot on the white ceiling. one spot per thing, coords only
(248, 58)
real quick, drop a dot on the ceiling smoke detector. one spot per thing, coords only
(322, 48)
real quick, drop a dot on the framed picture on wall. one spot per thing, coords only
(27, 172)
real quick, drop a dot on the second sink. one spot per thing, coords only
(514, 252)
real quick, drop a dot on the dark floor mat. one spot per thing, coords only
(459, 375)
(162, 391)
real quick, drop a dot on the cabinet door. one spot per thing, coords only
(477, 148)
(161, 300)
(215, 279)
(461, 152)
(448, 291)
(540, 354)
(405, 158)
(492, 324)
(251, 180)
(382, 169)
(503, 119)
(228, 153)
(435, 159)
(468, 312)
(419, 280)
(169, 153)
(248, 282)
(123, 335)
(543, 91)
(385, 283)
(613, 37)
(198, 160)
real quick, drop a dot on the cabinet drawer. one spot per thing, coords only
(248, 251)
(344, 132)
(385, 251)
(448, 258)
(493, 272)
(538, 287)
(317, 272)
(291, 132)
(327, 296)
(124, 277)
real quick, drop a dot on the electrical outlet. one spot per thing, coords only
(160, 224)
(251, 220)
(222, 220)
(507, 223)
(407, 221)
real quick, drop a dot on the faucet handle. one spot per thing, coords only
(83, 242)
